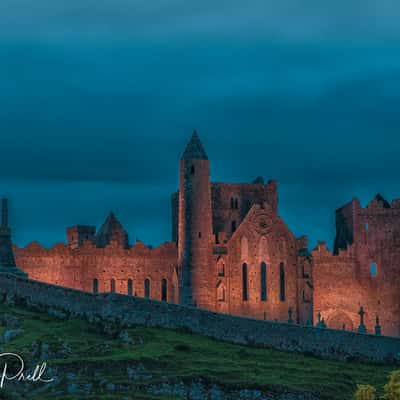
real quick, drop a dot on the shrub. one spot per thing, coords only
(182, 347)
(365, 392)
(392, 389)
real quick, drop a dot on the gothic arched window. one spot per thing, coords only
(164, 290)
(147, 288)
(112, 286)
(245, 282)
(221, 295)
(221, 268)
(95, 286)
(130, 287)
(263, 275)
(373, 269)
(282, 282)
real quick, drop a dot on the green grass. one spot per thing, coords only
(179, 355)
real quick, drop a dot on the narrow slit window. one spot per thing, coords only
(263, 276)
(164, 290)
(95, 286)
(112, 285)
(245, 282)
(373, 269)
(282, 282)
(130, 287)
(147, 288)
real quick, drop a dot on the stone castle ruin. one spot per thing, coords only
(232, 253)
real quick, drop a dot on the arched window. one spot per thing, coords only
(282, 281)
(221, 269)
(192, 170)
(263, 274)
(245, 282)
(112, 286)
(164, 290)
(233, 226)
(373, 269)
(221, 292)
(232, 203)
(147, 288)
(236, 203)
(130, 287)
(95, 286)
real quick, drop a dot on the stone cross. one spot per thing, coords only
(321, 322)
(362, 328)
(361, 313)
(290, 312)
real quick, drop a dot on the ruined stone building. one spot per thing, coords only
(231, 252)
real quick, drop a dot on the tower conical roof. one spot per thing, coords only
(194, 149)
(382, 200)
(112, 229)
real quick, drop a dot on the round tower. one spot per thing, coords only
(195, 227)
(7, 259)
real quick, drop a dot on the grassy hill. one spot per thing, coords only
(97, 361)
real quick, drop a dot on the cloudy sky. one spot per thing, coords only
(98, 97)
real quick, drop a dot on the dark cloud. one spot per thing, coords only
(98, 99)
(304, 19)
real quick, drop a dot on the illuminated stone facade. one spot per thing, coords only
(232, 253)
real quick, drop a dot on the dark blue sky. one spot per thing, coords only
(98, 99)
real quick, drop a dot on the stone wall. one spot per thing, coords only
(78, 268)
(232, 201)
(364, 269)
(129, 310)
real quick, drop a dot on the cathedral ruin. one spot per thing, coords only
(232, 253)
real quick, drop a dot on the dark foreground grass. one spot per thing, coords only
(168, 354)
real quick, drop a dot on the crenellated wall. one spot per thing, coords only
(77, 268)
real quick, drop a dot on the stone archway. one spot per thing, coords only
(341, 321)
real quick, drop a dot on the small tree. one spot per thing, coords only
(365, 392)
(392, 389)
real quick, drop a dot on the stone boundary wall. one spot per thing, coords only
(128, 310)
